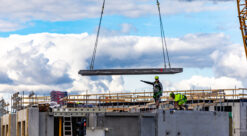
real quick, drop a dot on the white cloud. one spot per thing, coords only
(127, 28)
(230, 61)
(200, 82)
(46, 61)
(19, 13)
(6, 26)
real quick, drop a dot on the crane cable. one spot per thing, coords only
(97, 38)
(163, 39)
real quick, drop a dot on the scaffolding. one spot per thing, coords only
(139, 101)
(144, 100)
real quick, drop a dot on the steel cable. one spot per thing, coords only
(97, 38)
(163, 39)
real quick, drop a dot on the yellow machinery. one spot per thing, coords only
(242, 14)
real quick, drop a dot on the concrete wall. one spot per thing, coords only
(236, 119)
(193, 123)
(239, 113)
(95, 132)
(36, 123)
(122, 124)
(22, 123)
(148, 124)
(92, 120)
(243, 119)
(28, 122)
(160, 123)
(33, 122)
(165, 123)
(46, 124)
(8, 125)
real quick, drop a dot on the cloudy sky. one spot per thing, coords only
(45, 43)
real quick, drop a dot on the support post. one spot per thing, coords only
(60, 126)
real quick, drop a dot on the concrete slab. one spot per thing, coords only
(144, 71)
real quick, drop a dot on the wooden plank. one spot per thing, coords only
(100, 100)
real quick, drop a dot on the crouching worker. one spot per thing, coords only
(179, 101)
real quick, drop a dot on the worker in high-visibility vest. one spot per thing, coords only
(157, 90)
(179, 100)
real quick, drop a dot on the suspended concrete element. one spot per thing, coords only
(130, 71)
(142, 71)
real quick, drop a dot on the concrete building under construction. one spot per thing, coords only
(214, 112)
(210, 113)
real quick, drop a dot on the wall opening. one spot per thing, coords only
(7, 130)
(3, 130)
(23, 132)
(18, 129)
(223, 108)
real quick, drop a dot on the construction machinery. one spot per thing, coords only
(242, 14)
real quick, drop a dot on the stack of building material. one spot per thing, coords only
(57, 95)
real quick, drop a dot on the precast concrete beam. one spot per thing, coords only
(145, 71)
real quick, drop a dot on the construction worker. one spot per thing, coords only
(179, 100)
(158, 89)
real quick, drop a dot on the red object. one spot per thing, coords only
(57, 95)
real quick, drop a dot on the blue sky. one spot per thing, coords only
(176, 25)
(203, 37)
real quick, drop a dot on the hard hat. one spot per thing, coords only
(156, 77)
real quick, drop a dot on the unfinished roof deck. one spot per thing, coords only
(145, 71)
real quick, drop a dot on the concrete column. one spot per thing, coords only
(243, 119)
(46, 124)
(236, 119)
(92, 120)
(33, 122)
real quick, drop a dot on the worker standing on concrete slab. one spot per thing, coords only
(158, 90)
(179, 100)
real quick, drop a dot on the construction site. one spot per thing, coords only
(220, 112)
(211, 112)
